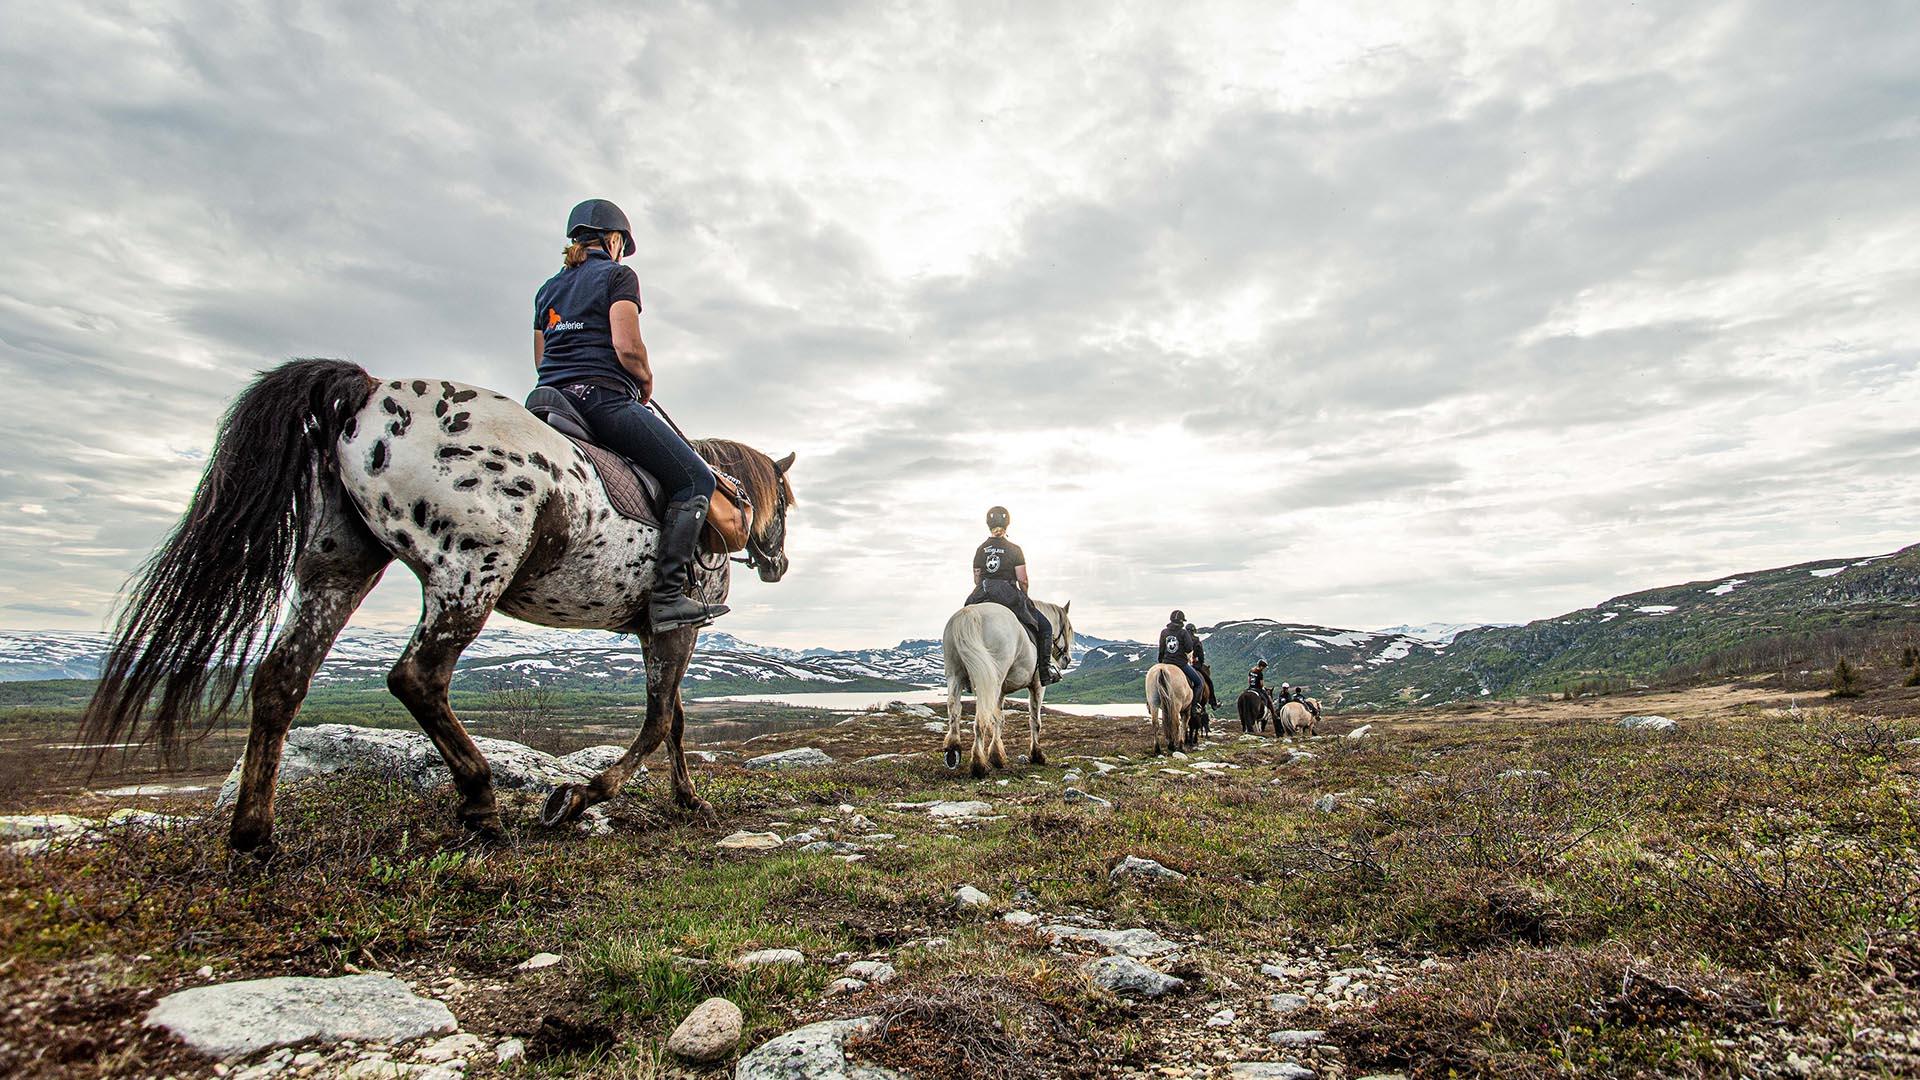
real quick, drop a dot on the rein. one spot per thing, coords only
(754, 559)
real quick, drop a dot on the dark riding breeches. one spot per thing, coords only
(628, 428)
(1010, 596)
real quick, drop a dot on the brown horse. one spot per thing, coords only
(321, 477)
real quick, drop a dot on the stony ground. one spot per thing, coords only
(1512, 890)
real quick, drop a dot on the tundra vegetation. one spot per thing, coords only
(1524, 888)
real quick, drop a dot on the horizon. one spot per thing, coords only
(1367, 317)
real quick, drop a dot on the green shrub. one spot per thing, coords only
(1846, 680)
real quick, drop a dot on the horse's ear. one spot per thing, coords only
(783, 464)
(1066, 607)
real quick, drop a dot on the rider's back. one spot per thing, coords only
(571, 314)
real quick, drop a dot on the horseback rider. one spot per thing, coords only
(1300, 695)
(1200, 664)
(1178, 645)
(1000, 577)
(1257, 681)
(586, 343)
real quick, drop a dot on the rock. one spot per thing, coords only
(408, 756)
(1103, 768)
(508, 1050)
(767, 957)
(537, 962)
(968, 809)
(1384, 1076)
(1274, 971)
(871, 759)
(845, 986)
(1136, 942)
(749, 841)
(1299, 756)
(1268, 1070)
(595, 759)
(1287, 1004)
(1297, 1037)
(861, 823)
(803, 757)
(1127, 977)
(1143, 869)
(710, 1031)
(1533, 775)
(1075, 795)
(814, 1052)
(830, 847)
(1326, 804)
(1020, 918)
(463, 1045)
(1648, 723)
(231, 1020)
(873, 971)
(1223, 1018)
(967, 897)
(1360, 732)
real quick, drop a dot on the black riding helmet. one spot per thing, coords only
(1177, 616)
(998, 517)
(600, 216)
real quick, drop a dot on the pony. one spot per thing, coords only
(1252, 706)
(1169, 696)
(320, 477)
(1293, 718)
(987, 650)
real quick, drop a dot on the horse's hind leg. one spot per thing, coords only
(667, 659)
(330, 580)
(986, 730)
(454, 617)
(951, 747)
(1034, 695)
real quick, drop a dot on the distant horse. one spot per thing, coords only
(1253, 706)
(1169, 696)
(988, 651)
(1294, 718)
(325, 475)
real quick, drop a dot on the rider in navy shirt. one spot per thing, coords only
(1000, 577)
(586, 342)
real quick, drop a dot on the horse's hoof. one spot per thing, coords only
(979, 769)
(565, 804)
(1037, 757)
(703, 810)
(953, 759)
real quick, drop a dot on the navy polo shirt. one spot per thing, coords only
(570, 313)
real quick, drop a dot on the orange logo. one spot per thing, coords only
(553, 318)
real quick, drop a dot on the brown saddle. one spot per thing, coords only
(633, 491)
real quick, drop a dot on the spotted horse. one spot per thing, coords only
(320, 477)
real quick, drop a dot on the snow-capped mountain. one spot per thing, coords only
(1438, 633)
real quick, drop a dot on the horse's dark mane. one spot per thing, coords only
(766, 485)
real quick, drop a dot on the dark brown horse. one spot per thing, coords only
(321, 477)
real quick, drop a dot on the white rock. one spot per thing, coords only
(873, 971)
(1326, 804)
(968, 809)
(1268, 1070)
(1297, 1037)
(749, 841)
(537, 961)
(845, 986)
(325, 749)
(1648, 723)
(1128, 977)
(765, 957)
(235, 1019)
(1136, 942)
(1360, 732)
(509, 1049)
(1103, 768)
(1020, 918)
(1075, 795)
(595, 759)
(1144, 869)
(1286, 1004)
(802, 757)
(968, 896)
(709, 1032)
(1223, 1018)
(461, 1045)
(814, 1052)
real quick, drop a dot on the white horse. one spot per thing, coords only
(987, 651)
(1169, 696)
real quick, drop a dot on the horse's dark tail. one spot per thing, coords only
(200, 605)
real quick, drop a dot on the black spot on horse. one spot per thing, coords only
(446, 388)
(447, 452)
(350, 428)
(457, 423)
(377, 461)
(470, 544)
(420, 512)
(326, 543)
(440, 407)
(465, 395)
(469, 482)
(516, 458)
(387, 506)
(446, 542)
(493, 466)
(395, 384)
(420, 387)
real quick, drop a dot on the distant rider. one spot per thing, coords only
(1200, 664)
(586, 343)
(1000, 577)
(1257, 680)
(1178, 646)
(1300, 695)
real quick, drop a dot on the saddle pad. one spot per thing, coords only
(622, 485)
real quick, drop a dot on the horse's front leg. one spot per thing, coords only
(951, 747)
(667, 656)
(1034, 695)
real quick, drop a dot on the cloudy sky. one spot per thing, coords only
(1347, 313)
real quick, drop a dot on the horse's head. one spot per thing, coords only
(1062, 647)
(772, 494)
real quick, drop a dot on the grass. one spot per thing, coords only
(1529, 898)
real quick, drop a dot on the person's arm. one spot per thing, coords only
(539, 349)
(624, 316)
(1020, 575)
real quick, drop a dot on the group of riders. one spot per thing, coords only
(587, 345)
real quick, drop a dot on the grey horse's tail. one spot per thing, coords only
(200, 605)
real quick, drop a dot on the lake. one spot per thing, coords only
(857, 701)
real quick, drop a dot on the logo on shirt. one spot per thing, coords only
(554, 323)
(993, 562)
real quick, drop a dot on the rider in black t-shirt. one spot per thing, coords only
(1000, 577)
(1178, 646)
(1257, 679)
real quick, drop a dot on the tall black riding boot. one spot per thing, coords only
(670, 608)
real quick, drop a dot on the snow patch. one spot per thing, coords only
(1827, 572)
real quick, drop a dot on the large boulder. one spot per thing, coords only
(709, 1033)
(230, 1020)
(1127, 977)
(814, 1052)
(1138, 941)
(1648, 723)
(410, 757)
(803, 757)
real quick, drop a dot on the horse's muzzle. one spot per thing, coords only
(772, 569)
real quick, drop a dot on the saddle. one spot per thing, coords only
(634, 492)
